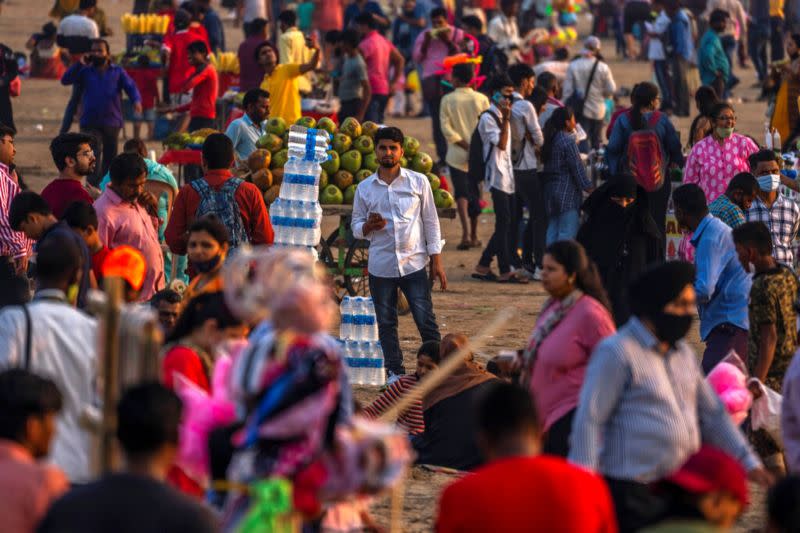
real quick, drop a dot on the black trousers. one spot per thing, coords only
(657, 204)
(104, 147)
(635, 504)
(529, 191)
(556, 441)
(498, 244)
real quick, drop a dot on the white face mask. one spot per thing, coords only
(770, 182)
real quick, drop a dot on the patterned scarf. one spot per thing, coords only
(542, 330)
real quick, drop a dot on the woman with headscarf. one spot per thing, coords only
(621, 237)
(786, 114)
(450, 436)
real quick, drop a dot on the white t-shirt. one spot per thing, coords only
(254, 9)
(655, 52)
(499, 167)
(78, 26)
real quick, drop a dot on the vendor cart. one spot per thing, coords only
(346, 257)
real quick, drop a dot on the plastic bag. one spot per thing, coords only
(766, 413)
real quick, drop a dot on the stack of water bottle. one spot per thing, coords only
(359, 336)
(296, 214)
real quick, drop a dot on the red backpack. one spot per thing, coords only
(646, 156)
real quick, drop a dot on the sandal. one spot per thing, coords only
(514, 279)
(464, 245)
(476, 243)
(489, 276)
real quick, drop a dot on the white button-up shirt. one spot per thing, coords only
(524, 122)
(63, 349)
(505, 34)
(594, 101)
(499, 169)
(412, 230)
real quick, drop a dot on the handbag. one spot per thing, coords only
(575, 100)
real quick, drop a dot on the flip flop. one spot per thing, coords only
(463, 246)
(513, 279)
(489, 276)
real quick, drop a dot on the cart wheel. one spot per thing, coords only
(356, 278)
(331, 266)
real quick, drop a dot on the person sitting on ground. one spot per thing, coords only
(29, 405)
(411, 420)
(707, 494)
(520, 489)
(136, 498)
(450, 439)
(731, 206)
(82, 219)
(47, 58)
(783, 505)
(207, 250)
(73, 156)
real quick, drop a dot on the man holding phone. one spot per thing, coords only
(394, 210)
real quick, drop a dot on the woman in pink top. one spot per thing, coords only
(572, 322)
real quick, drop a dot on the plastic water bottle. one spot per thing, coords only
(346, 310)
(308, 143)
(372, 332)
(276, 215)
(289, 223)
(358, 306)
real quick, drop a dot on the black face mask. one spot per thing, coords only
(207, 266)
(671, 328)
(98, 61)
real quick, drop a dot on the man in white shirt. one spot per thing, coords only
(80, 24)
(494, 128)
(558, 65)
(53, 339)
(526, 137)
(503, 30)
(394, 210)
(593, 94)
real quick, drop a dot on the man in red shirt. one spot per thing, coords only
(72, 153)
(248, 221)
(520, 490)
(176, 50)
(82, 219)
(204, 86)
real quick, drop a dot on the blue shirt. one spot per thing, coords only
(352, 12)
(566, 176)
(617, 149)
(243, 133)
(213, 26)
(681, 36)
(721, 284)
(101, 101)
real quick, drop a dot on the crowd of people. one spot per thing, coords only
(605, 419)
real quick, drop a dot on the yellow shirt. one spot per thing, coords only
(284, 96)
(459, 112)
(292, 49)
(776, 8)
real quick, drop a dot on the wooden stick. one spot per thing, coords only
(449, 365)
(110, 360)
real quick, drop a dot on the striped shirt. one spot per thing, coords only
(12, 243)
(783, 221)
(410, 420)
(641, 414)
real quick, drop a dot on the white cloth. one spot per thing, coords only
(63, 349)
(524, 121)
(505, 34)
(603, 85)
(254, 9)
(655, 51)
(557, 68)
(78, 26)
(499, 168)
(412, 230)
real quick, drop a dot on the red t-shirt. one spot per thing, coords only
(146, 80)
(60, 193)
(97, 262)
(204, 97)
(527, 494)
(179, 70)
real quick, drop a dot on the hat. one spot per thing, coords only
(658, 286)
(127, 263)
(591, 45)
(711, 470)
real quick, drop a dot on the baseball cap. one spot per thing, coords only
(711, 469)
(591, 44)
(127, 263)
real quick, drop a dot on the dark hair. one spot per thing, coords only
(334, 36)
(198, 310)
(706, 98)
(126, 167)
(520, 72)
(499, 81)
(717, 16)
(471, 21)
(256, 26)
(547, 81)
(80, 215)
(745, 182)
(762, 156)
(572, 256)
(182, 19)
(690, 199)
(538, 98)
(508, 3)
(555, 124)
(197, 47)
(366, 19)
(796, 38)
(67, 145)
(49, 29)
(212, 225)
(754, 235)
(103, 42)
(437, 12)
(719, 107)
(783, 504)
(165, 295)
(642, 95)
(505, 411)
(134, 146)
(6, 131)
(87, 4)
(252, 96)
(561, 54)
(288, 17)
(464, 72)
(24, 204)
(430, 349)
(148, 417)
(57, 259)
(350, 38)
(389, 133)
(261, 46)
(14, 288)
(24, 395)
(218, 151)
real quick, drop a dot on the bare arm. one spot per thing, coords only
(312, 63)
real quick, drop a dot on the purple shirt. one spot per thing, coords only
(101, 93)
(251, 74)
(564, 354)
(437, 51)
(376, 51)
(790, 415)
(121, 223)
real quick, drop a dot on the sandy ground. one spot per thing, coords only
(465, 307)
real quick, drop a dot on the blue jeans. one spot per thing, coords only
(376, 108)
(563, 226)
(757, 38)
(664, 83)
(417, 289)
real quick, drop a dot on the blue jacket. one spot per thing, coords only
(101, 93)
(711, 58)
(213, 26)
(617, 149)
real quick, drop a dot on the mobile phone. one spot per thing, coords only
(499, 98)
(375, 216)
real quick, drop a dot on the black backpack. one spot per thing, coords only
(476, 162)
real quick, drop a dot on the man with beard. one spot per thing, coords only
(645, 406)
(14, 245)
(620, 236)
(101, 102)
(394, 210)
(72, 153)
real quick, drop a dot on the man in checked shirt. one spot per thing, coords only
(15, 248)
